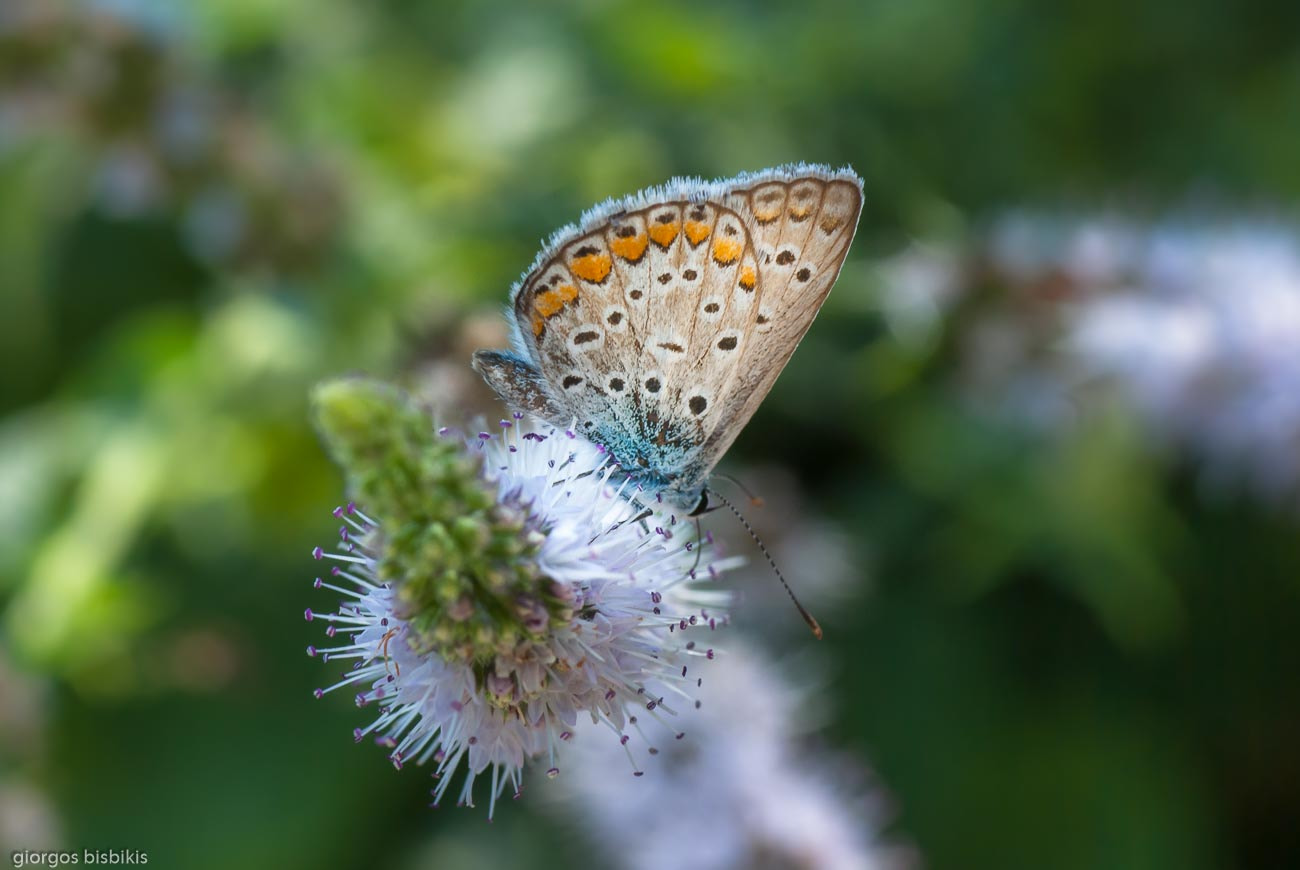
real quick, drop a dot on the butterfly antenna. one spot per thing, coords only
(803, 611)
(756, 501)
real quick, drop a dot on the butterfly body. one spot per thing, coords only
(658, 323)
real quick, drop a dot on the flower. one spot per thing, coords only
(1191, 321)
(1194, 321)
(499, 586)
(737, 794)
(1204, 340)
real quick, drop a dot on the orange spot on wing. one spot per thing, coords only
(549, 303)
(630, 248)
(591, 267)
(539, 325)
(747, 278)
(830, 224)
(663, 234)
(768, 204)
(726, 250)
(696, 232)
(800, 212)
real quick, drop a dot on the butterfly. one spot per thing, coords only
(658, 323)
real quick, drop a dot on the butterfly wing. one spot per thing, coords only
(661, 321)
(802, 221)
(634, 327)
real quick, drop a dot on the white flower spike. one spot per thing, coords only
(502, 586)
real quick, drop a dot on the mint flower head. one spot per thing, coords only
(747, 790)
(498, 587)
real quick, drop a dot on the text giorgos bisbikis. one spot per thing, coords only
(90, 857)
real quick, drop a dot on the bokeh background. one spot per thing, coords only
(1035, 464)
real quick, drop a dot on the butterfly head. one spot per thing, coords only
(688, 496)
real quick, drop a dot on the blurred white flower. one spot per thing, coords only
(28, 818)
(1028, 246)
(1194, 322)
(919, 286)
(733, 792)
(130, 182)
(484, 633)
(1203, 337)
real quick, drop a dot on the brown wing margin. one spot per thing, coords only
(802, 228)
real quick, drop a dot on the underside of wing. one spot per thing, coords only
(802, 220)
(661, 320)
(638, 324)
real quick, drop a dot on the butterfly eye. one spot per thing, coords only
(702, 506)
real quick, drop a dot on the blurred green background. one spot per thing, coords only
(1058, 650)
